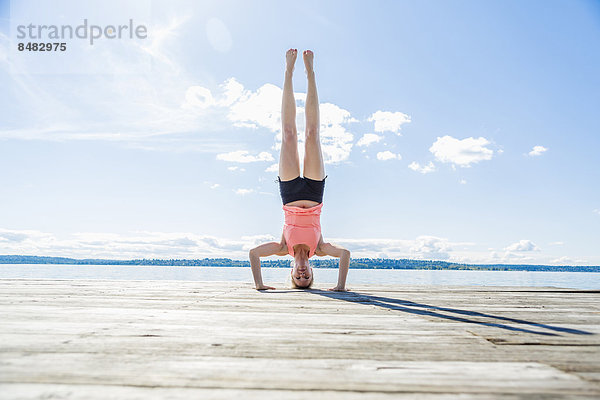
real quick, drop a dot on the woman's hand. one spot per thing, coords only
(338, 289)
(264, 287)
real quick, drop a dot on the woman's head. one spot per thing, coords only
(302, 273)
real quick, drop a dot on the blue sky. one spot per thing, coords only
(453, 130)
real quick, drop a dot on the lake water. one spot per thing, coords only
(323, 276)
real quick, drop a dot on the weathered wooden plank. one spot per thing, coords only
(103, 392)
(265, 373)
(168, 338)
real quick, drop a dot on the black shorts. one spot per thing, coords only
(301, 188)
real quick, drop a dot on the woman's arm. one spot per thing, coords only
(266, 249)
(328, 249)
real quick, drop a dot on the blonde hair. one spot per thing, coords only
(292, 282)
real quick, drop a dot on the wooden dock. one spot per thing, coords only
(94, 339)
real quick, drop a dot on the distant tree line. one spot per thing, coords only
(361, 263)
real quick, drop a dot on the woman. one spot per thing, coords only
(302, 196)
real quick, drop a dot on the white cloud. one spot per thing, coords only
(212, 185)
(556, 243)
(273, 168)
(564, 260)
(596, 211)
(508, 257)
(232, 91)
(193, 245)
(388, 155)
(198, 97)
(255, 109)
(243, 192)
(368, 139)
(425, 169)
(132, 245)
(331, 114)
(8, 236)
(462, 152)
(336, 140)
(463, 182)
(423, 247)
(262, 109)
(255, 240)
(243, 156)
(537, 150)
(431, 247)
(388, 121)
(522, 245)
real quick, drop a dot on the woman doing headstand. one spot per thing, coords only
(302, 196)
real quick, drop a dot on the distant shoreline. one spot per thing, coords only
(355, 263)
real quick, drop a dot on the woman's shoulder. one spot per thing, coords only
(283, 250)
(318, 251)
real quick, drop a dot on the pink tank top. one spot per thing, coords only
(302, 226)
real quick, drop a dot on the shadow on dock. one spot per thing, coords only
(435, 311)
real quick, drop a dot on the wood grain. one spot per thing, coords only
(175, 339)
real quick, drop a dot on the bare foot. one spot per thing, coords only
(308, 60)
(290, 59)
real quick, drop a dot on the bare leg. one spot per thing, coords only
(289, 161)
(314, 167)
